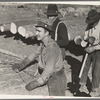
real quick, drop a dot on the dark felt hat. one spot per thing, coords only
(45, 23)
(52, 10)
(93, 16)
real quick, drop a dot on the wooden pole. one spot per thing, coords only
(83, 65)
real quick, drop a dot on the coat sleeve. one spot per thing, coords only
(34, 55)
(63, 35)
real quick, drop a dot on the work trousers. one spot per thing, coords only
(63, 53)
(93, 58)
(57, 83)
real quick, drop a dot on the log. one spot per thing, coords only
(13, 28)
(5, 27)
(27, 30)
(12, 54)
(78, 40)
(83, 43)
(22, 31)
(16, 24)
(1, 28)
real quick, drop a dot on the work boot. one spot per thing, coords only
(83, 88)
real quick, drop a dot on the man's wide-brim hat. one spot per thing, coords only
(52, 10)
(93, 16)
(44, 23)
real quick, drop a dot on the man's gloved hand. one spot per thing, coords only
(90, 39)
(22, 65)
(16, 67)
(32, 85)
(90, 49)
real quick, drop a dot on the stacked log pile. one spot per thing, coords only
(16, 24)
(23, 27)
(26, 28)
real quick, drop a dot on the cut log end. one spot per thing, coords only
(78, 40)
(5, 27)
(13, 28)
(2, 28)
(22, 31)
(83, 43)
(26, 36)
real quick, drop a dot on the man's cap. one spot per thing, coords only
(44, 23)
(52, 10)
(93, 16)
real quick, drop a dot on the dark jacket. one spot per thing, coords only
(62, 39)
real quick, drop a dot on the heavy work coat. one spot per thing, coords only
(62, 39)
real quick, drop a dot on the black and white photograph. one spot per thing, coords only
(50, 49)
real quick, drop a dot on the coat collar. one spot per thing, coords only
(46, 41)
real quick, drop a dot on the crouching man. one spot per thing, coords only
(50, 65)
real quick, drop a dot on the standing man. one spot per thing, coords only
(92, 36)
(60, 34)
(50, 65)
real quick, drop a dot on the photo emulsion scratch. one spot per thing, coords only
(49, 50)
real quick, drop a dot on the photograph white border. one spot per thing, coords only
(50, 97)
